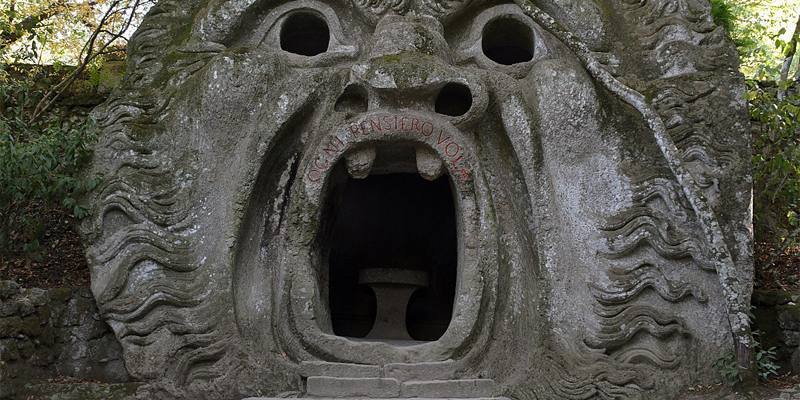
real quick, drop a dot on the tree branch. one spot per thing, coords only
(789, 56)
(91, 51)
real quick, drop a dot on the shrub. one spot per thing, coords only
(776, 166)
(765, 363)
(40, 163)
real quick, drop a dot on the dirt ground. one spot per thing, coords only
(58, 262)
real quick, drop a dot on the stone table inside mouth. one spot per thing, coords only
(393, 288)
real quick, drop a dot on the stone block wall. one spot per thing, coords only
(777, 318)
(57, 333)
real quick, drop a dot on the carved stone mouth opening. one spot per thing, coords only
(403, 159)
(389, 240)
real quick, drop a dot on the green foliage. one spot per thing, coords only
(728, 369)
(56, 31)
(776, 166)
(40, 164)
(723, 14)
(765, 359)
(761, 30)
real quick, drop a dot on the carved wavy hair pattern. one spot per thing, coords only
(647, 227)
(648, 355)
(685, 25)
(668, 232)
(659, 220)
(656, 16)
(618, 325)
(660, 189)
(380, 7)
(669, 25)
(626, 285)
(439, 8)
(595, 378)
(683, 106)
(443, 7)
(153, 210)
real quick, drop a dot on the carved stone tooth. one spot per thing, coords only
(429, 165)
(359, 162)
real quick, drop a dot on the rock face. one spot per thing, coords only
(55, 333)
(571, 177)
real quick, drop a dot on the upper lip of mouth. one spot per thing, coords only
(439, 147)
(365, 160)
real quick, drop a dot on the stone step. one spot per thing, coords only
(339, 370)
(325, 386)
(426, 371)
(453, 388)
(442, 370)
(392, 398)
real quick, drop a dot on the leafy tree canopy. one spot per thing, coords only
(57, 31)
(762, 31)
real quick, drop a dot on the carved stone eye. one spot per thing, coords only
(507, 41)
(305, 33)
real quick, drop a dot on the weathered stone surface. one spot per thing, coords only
(41, 339)
(8, 289)
(319, 386)
(78, 391)
(339, 370)
(461, 388)
(588, 237)
(421, 371)
(373, 398)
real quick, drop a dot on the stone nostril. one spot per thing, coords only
(352, 101)
(455, 100)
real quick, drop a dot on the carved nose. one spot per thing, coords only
(421, 35)
(410, 67)
(408, 53)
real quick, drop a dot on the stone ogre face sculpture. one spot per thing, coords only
(554, 194)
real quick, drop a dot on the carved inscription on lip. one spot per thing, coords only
(451, 150)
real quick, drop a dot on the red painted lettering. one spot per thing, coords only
(334, 145)
(375, 125)
(320, 165)
(354, 130)
(314, 175)
(456, 148)
(441, 138)
(403, 123)
(415, 124)
(429, 125)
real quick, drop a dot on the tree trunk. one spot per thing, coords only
(789, 56)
